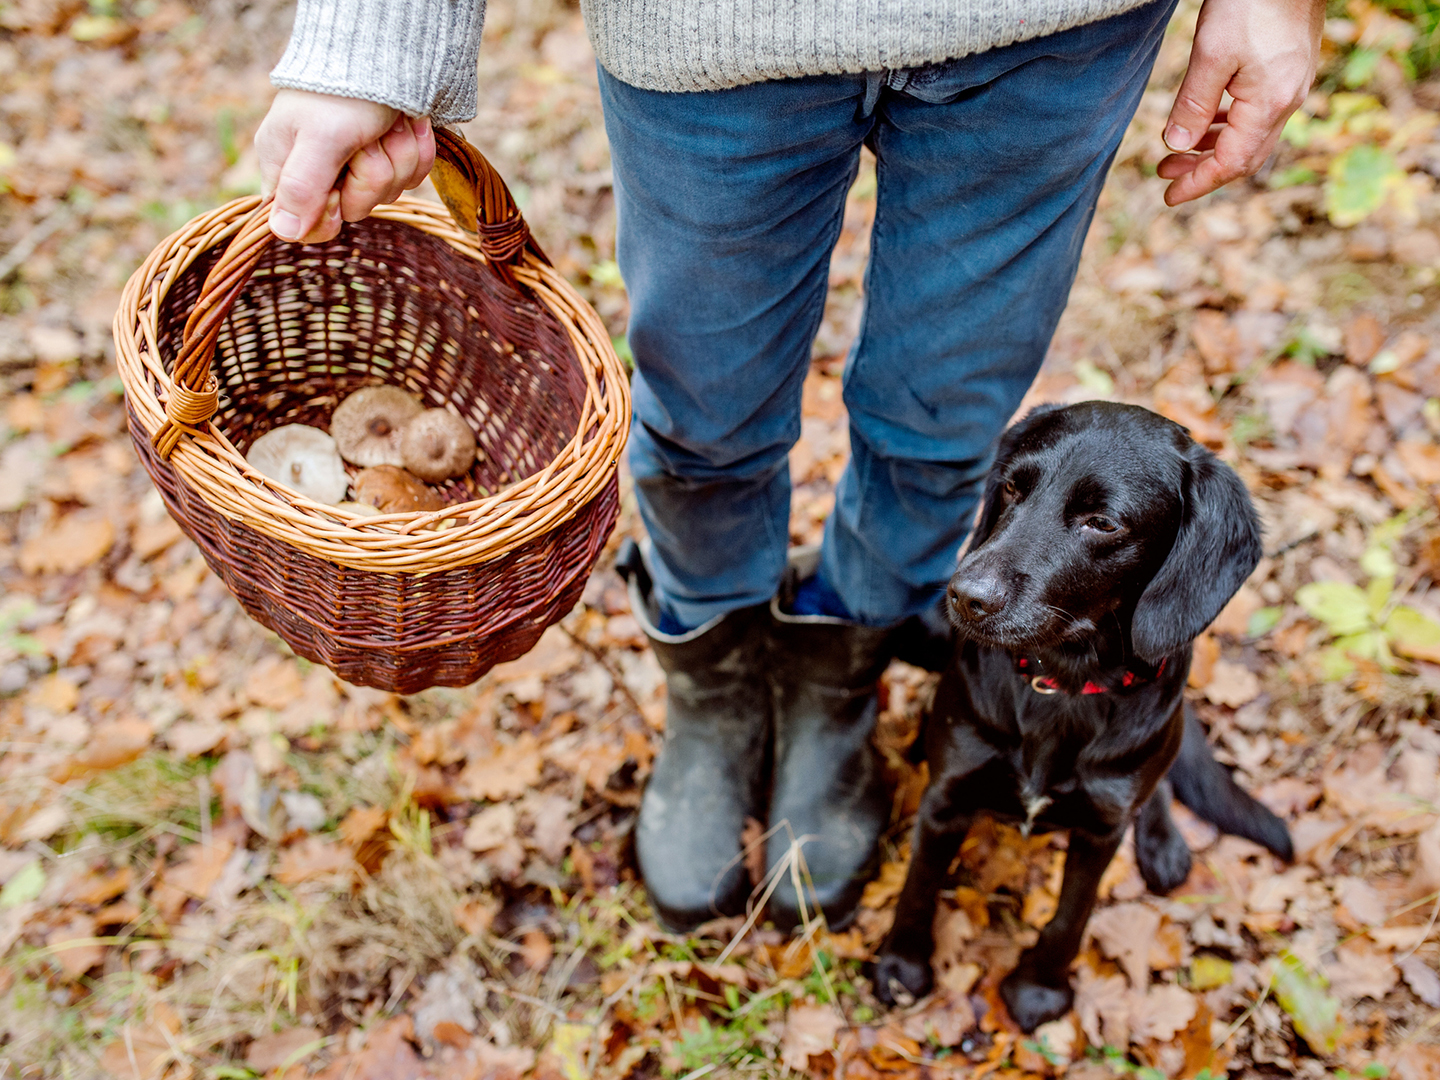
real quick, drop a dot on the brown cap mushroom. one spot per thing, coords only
(303, 458)
(394, 491)
(437, 445)
(367, 424)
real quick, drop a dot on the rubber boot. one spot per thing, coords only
(708, 777)
(828, 792)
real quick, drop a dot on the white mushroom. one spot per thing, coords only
(366, 426)
(302, 458)
(437, 445)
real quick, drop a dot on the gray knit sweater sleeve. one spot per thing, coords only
(417, 56)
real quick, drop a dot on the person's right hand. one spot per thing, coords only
(306, 140)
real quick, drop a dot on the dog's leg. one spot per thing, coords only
(903, 967)
(1038, 990)
(1160, 850)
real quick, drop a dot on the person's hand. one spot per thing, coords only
(326, 158)
(1264, 52)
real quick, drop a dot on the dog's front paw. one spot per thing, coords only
(1033, 1001)
(900, 980)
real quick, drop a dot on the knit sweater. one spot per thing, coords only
(418, 56)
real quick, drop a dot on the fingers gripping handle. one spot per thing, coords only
(477, 199)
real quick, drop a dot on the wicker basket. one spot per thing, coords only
(218, 344)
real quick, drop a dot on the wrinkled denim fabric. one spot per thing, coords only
(729, 203)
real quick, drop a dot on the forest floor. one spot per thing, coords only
(218, 861)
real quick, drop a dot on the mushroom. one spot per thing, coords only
(437, 445)
(303, 458)
(394, 491)
(367, 424)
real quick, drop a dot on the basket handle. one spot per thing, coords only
(473, 192)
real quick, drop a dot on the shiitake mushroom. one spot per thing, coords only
(437, 445)
(367, 425)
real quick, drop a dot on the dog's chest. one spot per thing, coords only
(1057, 781)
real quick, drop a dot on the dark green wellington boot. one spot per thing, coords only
(827, 780)
(709, 775)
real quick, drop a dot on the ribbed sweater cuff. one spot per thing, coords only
(416, 56)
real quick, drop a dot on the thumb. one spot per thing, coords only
(306, 180)
(1197, 101)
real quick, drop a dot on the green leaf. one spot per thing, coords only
(1377, 593)
(1366, 645)
(1335, 666)
(1301, 993)
(24, 885)
(1340, 606)
(1092, 378)
(1263, 621)
(1360, 68)
(1378, 562)
(1414, 633)
(1293, 177)
(1359, 181)
(1207, 972)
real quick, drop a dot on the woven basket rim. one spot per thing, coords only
(484, 528)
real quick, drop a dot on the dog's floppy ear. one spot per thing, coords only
(1215, 550)
(990, 506)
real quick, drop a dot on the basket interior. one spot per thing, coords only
(386, 303)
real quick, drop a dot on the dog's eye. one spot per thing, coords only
(1101, 523)
(1010, 490)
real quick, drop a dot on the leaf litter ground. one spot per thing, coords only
(218, 861)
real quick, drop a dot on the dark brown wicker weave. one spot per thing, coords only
(218, 345)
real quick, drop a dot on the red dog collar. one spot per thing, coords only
(1044, 684)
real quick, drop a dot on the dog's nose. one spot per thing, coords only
(977, 599)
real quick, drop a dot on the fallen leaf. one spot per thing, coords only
(191, 738)
(1422, 979)
(98, 886)
(74, 542)
(111, 745)
(1208, 971)
(1232, 684)
(491, 827)
(885, 886)
(23, 886)
(1315, 1014)
(54, 693)
(74, 948)
(274, 683)
(361, 823)
(1126, 933)
(536, 949)
(283, 1048)
(1360, 970)
(138, 1053)
(313, 857)
(1102, 1003)
(944, 1023)
(150, 539)
(1161, 1012)
(505, 774)
(810, 1031)
(570, 1046)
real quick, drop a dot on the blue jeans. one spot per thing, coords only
(729, 204)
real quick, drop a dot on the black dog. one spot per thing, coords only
(1108, 541)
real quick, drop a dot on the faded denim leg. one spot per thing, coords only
(988, 172)
(729, 204)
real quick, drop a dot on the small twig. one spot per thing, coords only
(41, 231)
(603, 661)
(1434, 913)
(1240, 1021)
